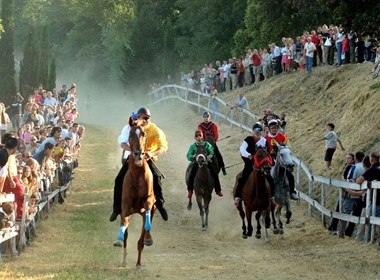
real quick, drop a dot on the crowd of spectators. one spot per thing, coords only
(39, 148)
(325, 46)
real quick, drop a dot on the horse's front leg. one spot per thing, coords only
(190, 205)
(258, 229)
(274, 223)
(242, 216)
(201, 211)
(266, 218)
(122, 239)
(147, 220)
(248, 214)
(288, 213)
(207, 209)
(279, 221)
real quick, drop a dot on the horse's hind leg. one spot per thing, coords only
(140, 247)
(288, 214)
(279, 221)
(207, 210)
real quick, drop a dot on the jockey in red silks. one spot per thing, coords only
(273, 137)
(210, 128)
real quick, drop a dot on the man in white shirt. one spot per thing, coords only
(309, 48)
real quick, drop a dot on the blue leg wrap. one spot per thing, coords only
(148, 224)
(120, 236)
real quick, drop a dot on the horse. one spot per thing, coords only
(203, 185)
(278, 172)
(138, 196)
(215, 161)
(256, 195)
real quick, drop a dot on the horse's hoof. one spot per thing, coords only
(244, 236)
(148, 242)
(281, 231)
(258, 236)
(189, 206)
(138, 266)
(276, 231)
(124, 264)
(118, 243)
(204, 228)
(249, 234)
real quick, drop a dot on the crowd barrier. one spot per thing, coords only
(223, 111)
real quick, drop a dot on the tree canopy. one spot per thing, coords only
(135, 43)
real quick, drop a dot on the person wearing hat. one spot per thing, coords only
(247, 152)
(273, 137)
(156, 144)
(210, 128)
(191, 154)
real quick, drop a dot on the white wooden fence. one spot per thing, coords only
(244, 120)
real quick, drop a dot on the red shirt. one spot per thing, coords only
(256, 60)
(280, 138)
(209, 128)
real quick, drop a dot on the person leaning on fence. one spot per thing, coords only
(247, 151)
(6, 212)
(191, 156)
(210, 128)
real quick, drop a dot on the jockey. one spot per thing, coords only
(156, 144)
(210, 128)
(191, 157)
(273, 137)
(247, 151)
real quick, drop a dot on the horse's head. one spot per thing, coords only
(137, 141)
(263, 160)
(201, 156)
(284, 157)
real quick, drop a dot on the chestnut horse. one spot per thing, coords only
(203, 185)
(138, 196)
(256, 195)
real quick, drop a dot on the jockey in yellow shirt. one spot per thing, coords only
(156, 144)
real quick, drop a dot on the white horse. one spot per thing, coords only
(284, 164)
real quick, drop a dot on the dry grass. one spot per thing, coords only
(75, 242)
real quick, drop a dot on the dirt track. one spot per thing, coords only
(182, 251)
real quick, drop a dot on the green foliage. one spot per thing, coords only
(43, 58)
(51, 83)
(362, 16)
(29, 63)
(7, 60)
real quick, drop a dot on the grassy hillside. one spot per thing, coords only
(345, 96)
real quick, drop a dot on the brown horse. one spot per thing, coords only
(256, 195)
(138, 196)
(203, 185)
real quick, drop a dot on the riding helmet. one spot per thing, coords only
(206, 114)
(257, 126)
(272, 122)
(143, 112)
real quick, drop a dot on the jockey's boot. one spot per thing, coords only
(161, 209)
(224, 171)
(114, 215)
(294, 196)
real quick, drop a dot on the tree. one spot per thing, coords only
(52, 75)
(7, 60)
(29, 63)
(43, 58)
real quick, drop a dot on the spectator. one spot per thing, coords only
(6, 213)
(309, 53)
(16, 108)
(331, 139)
